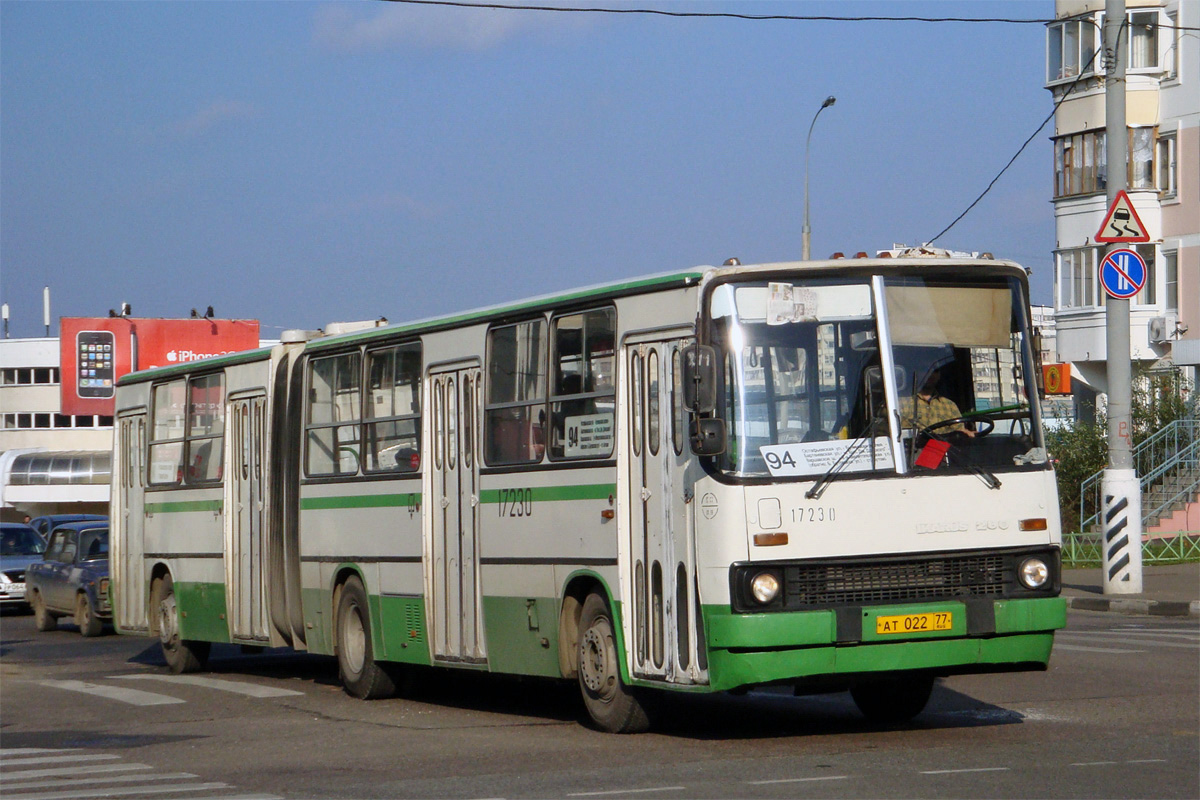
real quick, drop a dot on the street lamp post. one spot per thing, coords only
(806, 232)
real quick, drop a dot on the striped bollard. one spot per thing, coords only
(1121, 558)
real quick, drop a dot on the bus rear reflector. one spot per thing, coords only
(770, 539)
(1032, 524)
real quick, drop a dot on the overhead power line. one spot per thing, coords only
(711, 14)
(732, 15)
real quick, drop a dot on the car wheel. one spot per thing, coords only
(43, 620)
(85, 617)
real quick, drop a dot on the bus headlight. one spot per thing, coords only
(1034, 573)
(764, 587)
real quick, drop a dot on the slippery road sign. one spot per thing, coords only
(1123, 274)
(1122, 223)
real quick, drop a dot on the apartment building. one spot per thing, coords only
(1163, 120)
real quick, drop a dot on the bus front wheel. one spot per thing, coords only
(611, 704)
(182, 655)
(892, 699)
(360, 675)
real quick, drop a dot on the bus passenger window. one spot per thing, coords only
(392, 433)
(582, 400)
(334, 403)
(515, 410)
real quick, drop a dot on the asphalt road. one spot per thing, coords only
(1117, 715)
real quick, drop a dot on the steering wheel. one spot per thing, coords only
(988, 425)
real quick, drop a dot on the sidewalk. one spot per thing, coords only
(1167, 591)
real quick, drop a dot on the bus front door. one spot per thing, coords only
(665, 633)
(130, 590)
(452, 569)
(245, 526)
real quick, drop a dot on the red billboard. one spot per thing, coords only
(97, 351)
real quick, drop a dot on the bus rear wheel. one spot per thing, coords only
(182, 655)
(360, 675)
(893, 699)
(611, 704)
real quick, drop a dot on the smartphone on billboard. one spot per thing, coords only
(95, 352)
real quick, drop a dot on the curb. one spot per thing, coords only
(1153, 608)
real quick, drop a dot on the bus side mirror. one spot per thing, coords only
(700, 378)
(707, 436)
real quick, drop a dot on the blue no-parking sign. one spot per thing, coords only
(1122, 274)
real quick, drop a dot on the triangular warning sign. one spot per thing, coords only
(1122, 223)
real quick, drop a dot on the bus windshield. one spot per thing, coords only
(804, 390)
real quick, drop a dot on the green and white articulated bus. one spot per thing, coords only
(704, 481)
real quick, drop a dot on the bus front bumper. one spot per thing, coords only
(824, 646)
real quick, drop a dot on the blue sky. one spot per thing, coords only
(301, 163)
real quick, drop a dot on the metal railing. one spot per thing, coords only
(1173, 452)
(1168, 468)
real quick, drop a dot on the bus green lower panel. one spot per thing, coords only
(522, 635)
(747, 649)
(403, 627)
(202, 611)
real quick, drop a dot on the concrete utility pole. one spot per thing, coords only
(1119, 486)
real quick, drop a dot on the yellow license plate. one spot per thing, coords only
(915, 623)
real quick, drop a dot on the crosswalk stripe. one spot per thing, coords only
(134, 697)
(57, 759)
(1081, 649)
(63, 783)
(114, 791)
(89, 769)
(1143, 641)
(237, 687)
(17, 752)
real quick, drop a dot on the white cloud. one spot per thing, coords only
(212, 115)
(342, 29)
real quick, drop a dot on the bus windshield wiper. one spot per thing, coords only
(845, 458)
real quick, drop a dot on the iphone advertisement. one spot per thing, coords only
(96, 352)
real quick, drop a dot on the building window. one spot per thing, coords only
(1143, 40)
(1166, 165)
(515, 413)
(1077, 278)
(1171, 282)
(1071, 49)
(1148, 296)
(1141, 158)
(1080, 164)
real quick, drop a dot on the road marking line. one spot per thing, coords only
(64, 783)
(628, 791)
(237, 687)
(116, 791)
(17, 752)
(90, 769)
(1144, 640)
(1148, 761)
(135, 697)
(1081, 649)
(1095, 763)
(1172, 633)
(21, 762)
(799, 780)
(957, 771)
